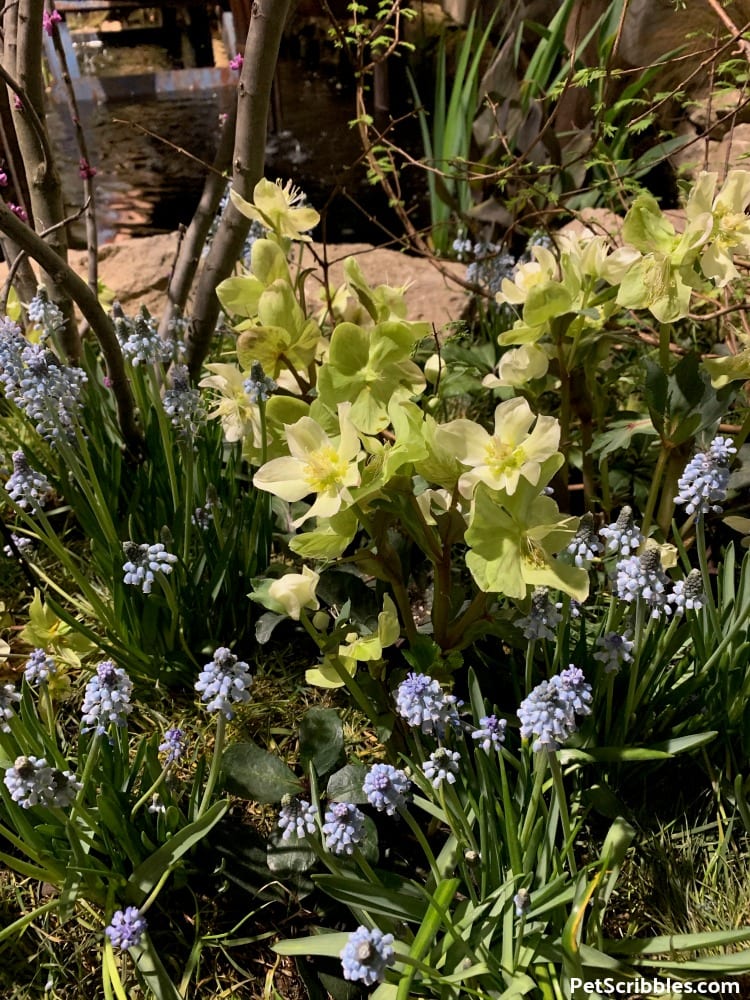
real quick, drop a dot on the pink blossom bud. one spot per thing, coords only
(17, 210)
(85, 170)
(237, 62)
(50, 19)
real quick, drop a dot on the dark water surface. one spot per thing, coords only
(146, 186)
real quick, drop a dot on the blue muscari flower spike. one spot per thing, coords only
(39, 667)
(126, 928)
(615, 651)
(45, 314)
(366, 955)
(423, 703)
(224, 682)
(183, 404)
(543, 617)
(585, 546)
(8, 698)
(549, 712)
(688, 593)
(106, 699)
(32, 782)
(623, 536)
(173, 745)
(139, 338)
(297, 818)
(386, 788)
(343, 828)
(259, 386)
(642, 578)
(29, 781)
(143, 562)
(442, 765)
(702, 487)
(491, 732)
(29, 489)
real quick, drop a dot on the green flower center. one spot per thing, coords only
(325, 469)
(501, 457)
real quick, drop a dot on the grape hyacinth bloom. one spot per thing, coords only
(32, 782)
(106, 699)
(126, 928)
(442, 765)
(615, 651)
(688, 593)
(702, 487)
(343, 828)
(259, 386)
(65, 787)
(422, 702)
(8, 697)
(366, 954)
(39, 668)
(623, 536)
(49, 393)
(224, 682)
(45, 314)
(139, 338)
(585, 546)
(173, 746)
(29, 781)
(296, 818)
(549, 712)
(24, 546)
(29, 489)
(642, 577)
(183, 404)
(142, 562)
(491, 732)
(543, 618)
(386, 788)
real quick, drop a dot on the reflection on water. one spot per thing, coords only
(146, 186)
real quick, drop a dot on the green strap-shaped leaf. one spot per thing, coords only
(148, 873)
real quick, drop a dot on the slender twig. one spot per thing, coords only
(86, 170)
(192, 244)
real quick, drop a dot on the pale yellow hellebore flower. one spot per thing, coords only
(278, 209)
(535, 272)
(317, 464)
(731, 230)
(295, 591)
(518, 366)
(239, 417)
(500, 459)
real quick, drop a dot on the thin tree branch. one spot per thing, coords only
(253, 100)
(77, 290)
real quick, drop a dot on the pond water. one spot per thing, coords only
(149, 183)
